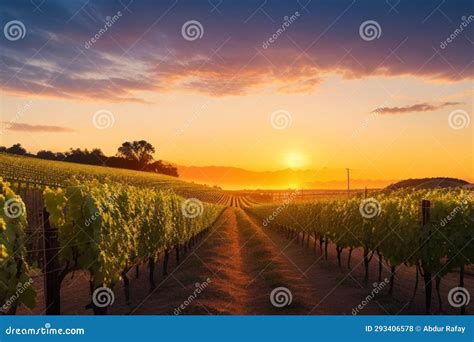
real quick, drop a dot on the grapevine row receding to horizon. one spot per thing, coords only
(392, 229)
(105, 228)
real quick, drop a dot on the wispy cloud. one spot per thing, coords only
(420, 107)
(24, 127)
(228, 60)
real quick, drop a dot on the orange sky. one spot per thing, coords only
(330, 128)
(391, 108)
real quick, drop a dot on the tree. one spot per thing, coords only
(16, 149)
(163, 168)
(98, 152)
(59, 156)
(139, 151)
(49, 155)
(94, 157)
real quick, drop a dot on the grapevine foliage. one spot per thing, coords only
(15, 283)
(106, 227)
(395, 231)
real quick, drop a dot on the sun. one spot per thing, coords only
(295, 160)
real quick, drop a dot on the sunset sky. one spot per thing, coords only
(382, 107)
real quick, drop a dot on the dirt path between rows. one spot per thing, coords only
(341, 289)
(234, 269)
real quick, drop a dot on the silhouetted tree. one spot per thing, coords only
(140, 151)
(49, 155)
(164, 168)
(16, 149)
(136, 155)
(123, 163)
(94, 157)
(60, 156)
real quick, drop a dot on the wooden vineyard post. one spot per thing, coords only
(51, 268)
(425, 220)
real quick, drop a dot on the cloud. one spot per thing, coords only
(24, 127)
(145, 52)
(420, 107)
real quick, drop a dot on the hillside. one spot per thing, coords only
(428, 183)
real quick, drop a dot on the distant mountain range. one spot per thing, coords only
(232, 178)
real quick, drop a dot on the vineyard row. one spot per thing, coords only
(432, 230)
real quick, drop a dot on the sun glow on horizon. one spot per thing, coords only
(295, 160)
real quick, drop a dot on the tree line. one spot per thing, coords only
(134, 155)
